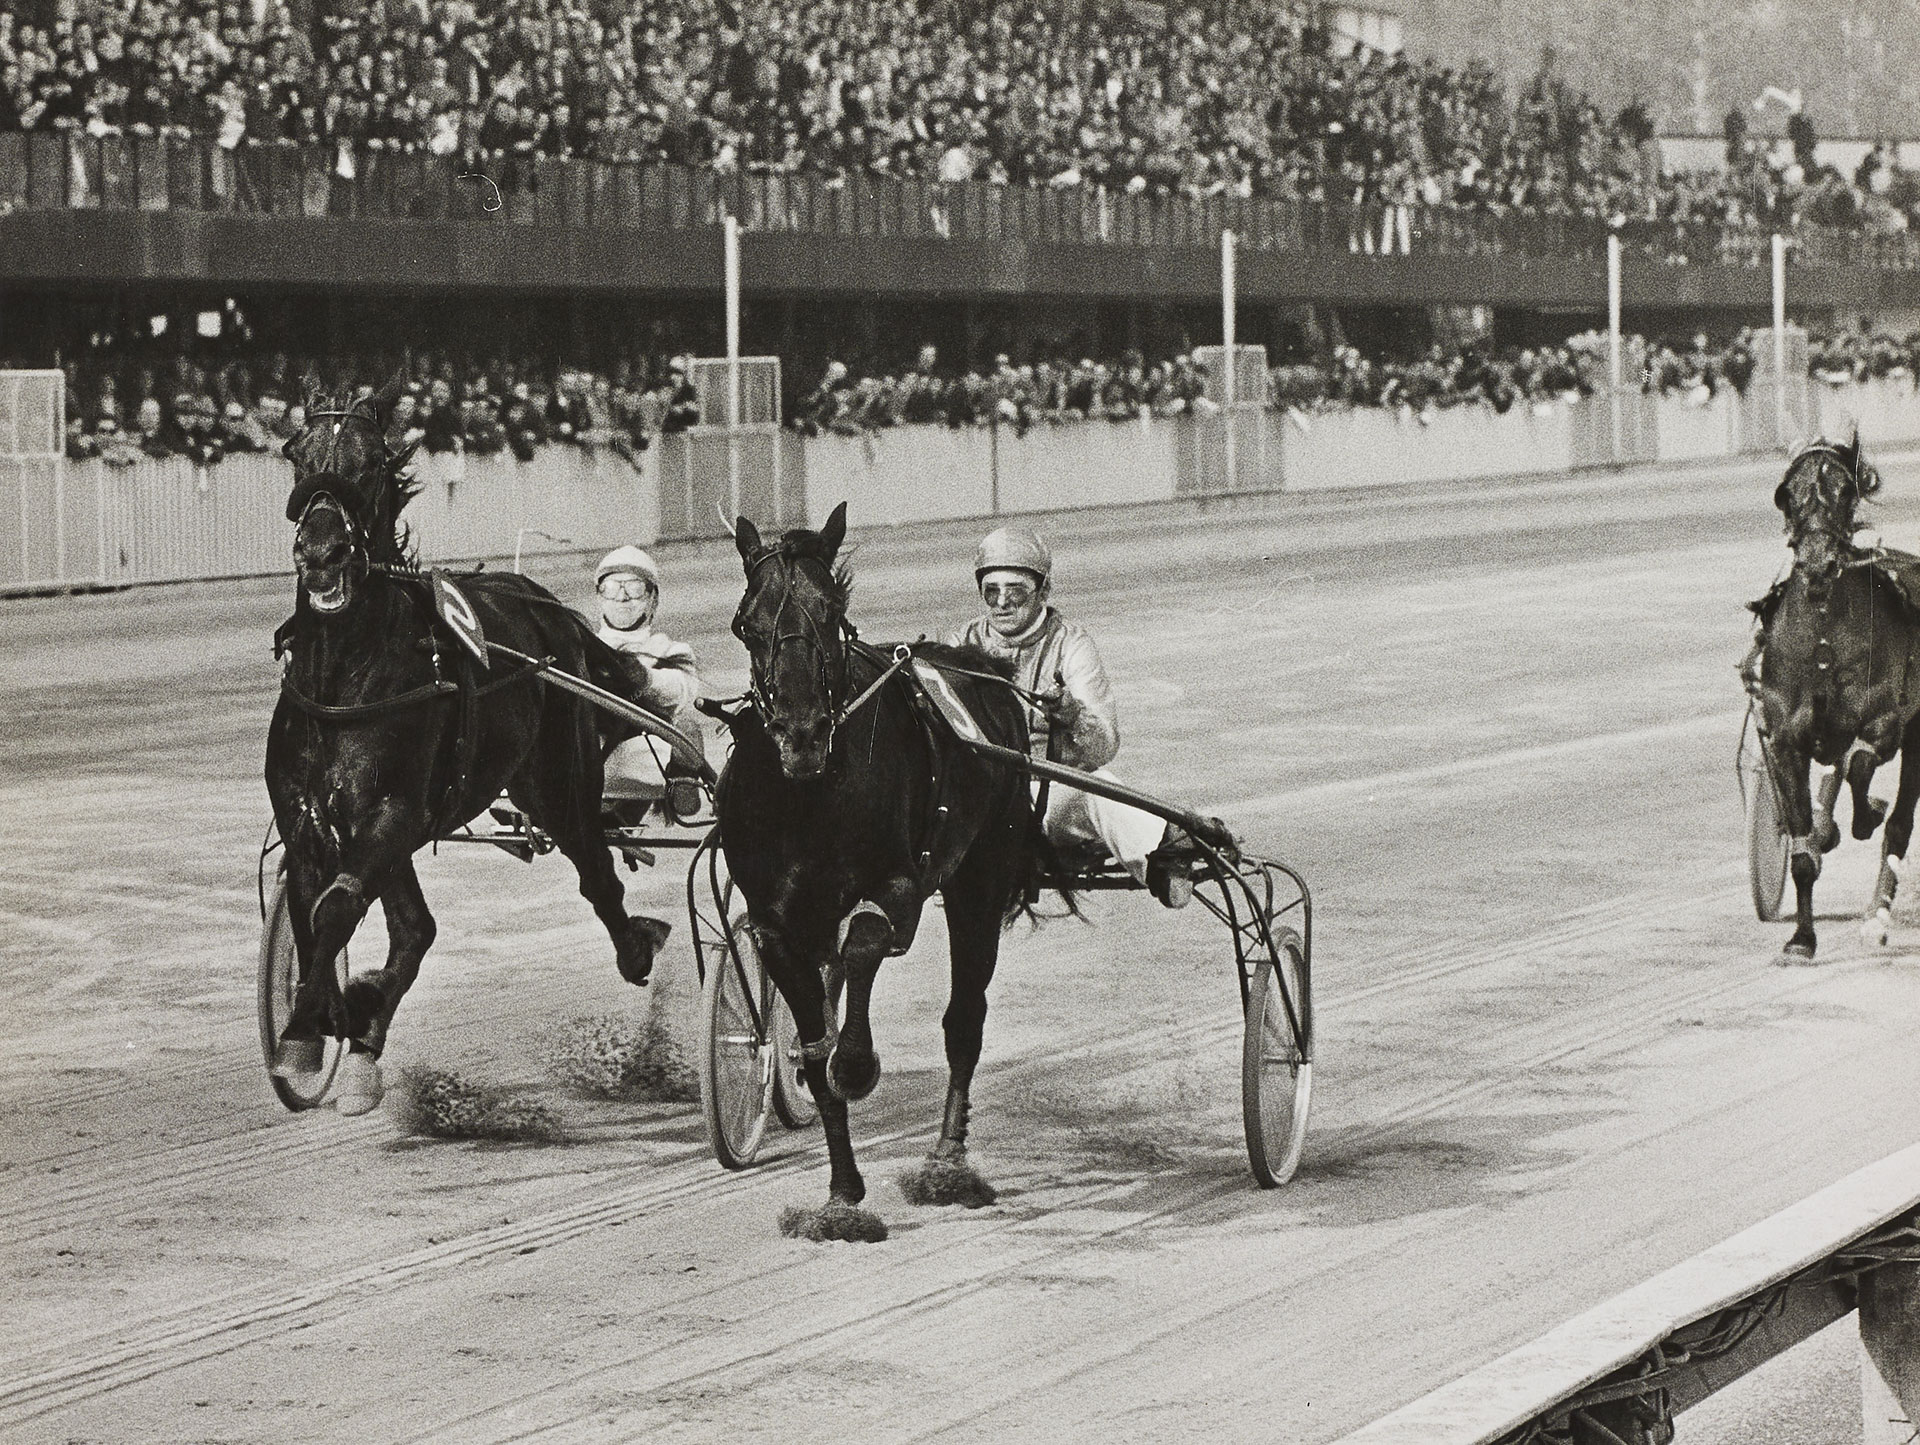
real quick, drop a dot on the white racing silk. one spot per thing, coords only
(666, 680)
(1055, 654)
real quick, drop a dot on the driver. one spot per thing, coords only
(1073, 721)
(662, 671)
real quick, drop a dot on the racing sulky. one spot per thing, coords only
(844, 807)
(392, 728)
(1836, 681)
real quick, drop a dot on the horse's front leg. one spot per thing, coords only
(1790, 765)
(318, 1012)
(874, 929)
(801, 986)
(1876, 741)
(1894, 840)
(380, 846)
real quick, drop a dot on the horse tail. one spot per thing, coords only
(1040, 868)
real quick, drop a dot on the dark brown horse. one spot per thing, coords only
(843, 809)
(1838, 682)
(388, 733)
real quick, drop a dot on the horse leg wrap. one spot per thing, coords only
(346, 883)
(1805, 847)
(1857, 751)
(953, 1127)
(819, 1049)
(865, 908)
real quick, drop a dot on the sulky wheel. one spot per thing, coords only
(1767, 845)
(278, 977)
(737, 1065)
(792, 1099)
(1276, 1081)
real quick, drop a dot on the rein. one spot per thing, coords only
(361, 711)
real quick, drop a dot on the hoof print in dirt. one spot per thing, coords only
(847, 1222)
(946, 1181)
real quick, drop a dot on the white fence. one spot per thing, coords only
(167, 521)
(44, 536)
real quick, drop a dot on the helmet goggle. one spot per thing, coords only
(1008, 591)
(625, 587)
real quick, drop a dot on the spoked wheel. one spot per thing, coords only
(792, 1098)
(738, 1066)
(279, 977)
(1767, 845)
(1276, 1081)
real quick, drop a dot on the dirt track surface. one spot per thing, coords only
(1494, 727)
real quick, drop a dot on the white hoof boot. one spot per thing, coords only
(1874, 927)
(359, 1090)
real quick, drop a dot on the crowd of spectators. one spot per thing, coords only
(483, 407)
(448, 405)
(998, 90)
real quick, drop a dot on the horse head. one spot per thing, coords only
(348, 490)
(1825, 482)
(792, 622)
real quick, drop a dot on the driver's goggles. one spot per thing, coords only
(625, 589)
(1008, 594)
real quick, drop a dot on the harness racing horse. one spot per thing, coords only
(1838, 682)
(389, 734)
(843, 803)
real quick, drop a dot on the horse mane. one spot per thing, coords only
(802, 545)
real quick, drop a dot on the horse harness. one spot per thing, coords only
(464, 685)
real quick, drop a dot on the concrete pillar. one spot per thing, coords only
(1890, 1354)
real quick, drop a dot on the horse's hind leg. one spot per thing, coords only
(1894, 840)
(556, 800)
(976, 901)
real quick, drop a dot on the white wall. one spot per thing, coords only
(161, 521)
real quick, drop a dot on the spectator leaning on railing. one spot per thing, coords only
(122, 412)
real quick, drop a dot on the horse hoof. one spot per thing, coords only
(293, 1057)
(1827, 836)
(1794, 955)
(852, 1078)
(360, 1089)
(1875, 927)
(1865, 823)
(636, 950)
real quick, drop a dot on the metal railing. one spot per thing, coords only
(69, 170)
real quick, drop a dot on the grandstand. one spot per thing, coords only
(520, 205)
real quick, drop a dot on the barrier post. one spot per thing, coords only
(1779, 339)
(730, 230)
(1229, 286)
(1613, 336)
(1890, 1354)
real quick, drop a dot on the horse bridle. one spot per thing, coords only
(327, 484)
(759, 685)
(1826, 502)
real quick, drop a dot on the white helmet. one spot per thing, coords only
(1013, 547)
(630, 560)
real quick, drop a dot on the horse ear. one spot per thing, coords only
(835, 532)
(382, 400)
(746, 537)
